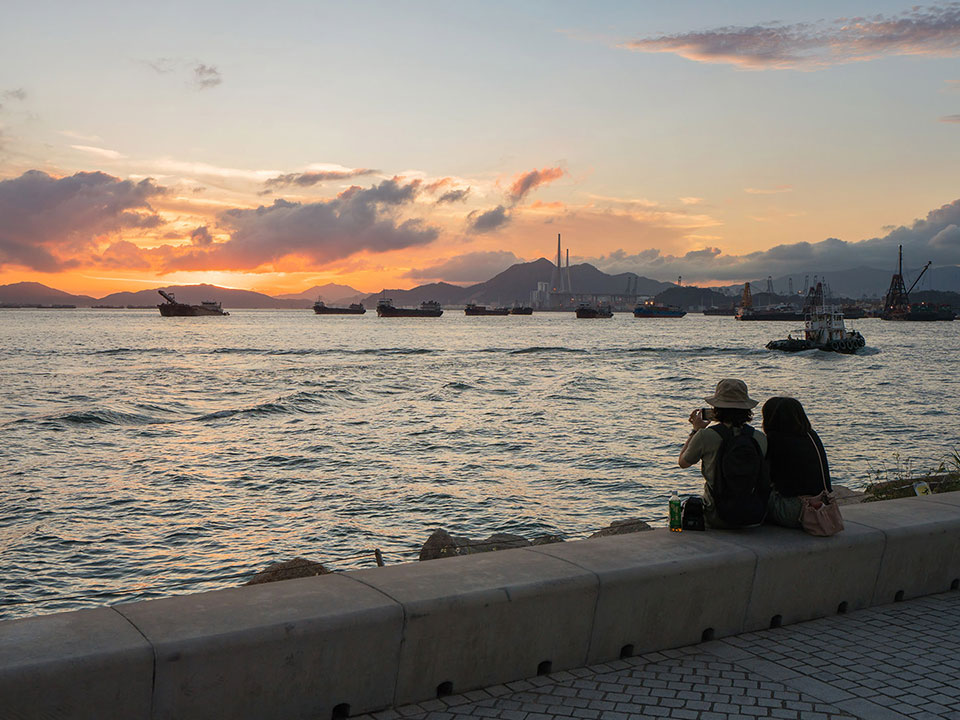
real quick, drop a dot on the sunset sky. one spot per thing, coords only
(274, 146)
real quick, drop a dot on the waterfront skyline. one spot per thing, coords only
(387, 146)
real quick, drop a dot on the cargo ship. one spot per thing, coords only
(429, 308)
(472, 309)
(897, 305)
(651, 309)
(320, 308)
(172, 308)
(771, 312)
(588, 311)
(521, 310)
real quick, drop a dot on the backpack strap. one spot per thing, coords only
(722, 430)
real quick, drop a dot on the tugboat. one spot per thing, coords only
(587, 311)
(172, 308)
(521, 310)
(322, 309)
(430, 308)
(651, 309)
(823, 329)
(897, 305)
(771, 312)
(472, 309)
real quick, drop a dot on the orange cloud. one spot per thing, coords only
(525, 183)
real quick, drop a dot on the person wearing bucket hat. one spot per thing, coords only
(729, 447)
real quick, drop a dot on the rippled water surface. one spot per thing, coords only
(144, 456)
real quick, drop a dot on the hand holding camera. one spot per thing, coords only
(701, 418)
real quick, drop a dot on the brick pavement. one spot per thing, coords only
(893, 661)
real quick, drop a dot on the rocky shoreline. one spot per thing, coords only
(443, 544)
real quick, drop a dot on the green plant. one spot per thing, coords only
(898, 481)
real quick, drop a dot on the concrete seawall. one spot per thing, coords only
(361, 641)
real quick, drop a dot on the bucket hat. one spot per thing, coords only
(731, 393)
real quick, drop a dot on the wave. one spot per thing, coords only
(547, 348)
(323, 351)
(99, 417)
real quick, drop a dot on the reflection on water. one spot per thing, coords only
(146, 456)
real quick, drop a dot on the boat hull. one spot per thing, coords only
(407, 312)
(665, 313)
(919, 316)
(339, 311)
(521, 311)
(847, 346)
(791, 316)
(475, 311)
(184, 310)
(592, 313)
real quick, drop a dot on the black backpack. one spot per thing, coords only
(741, 484)
(691, 513)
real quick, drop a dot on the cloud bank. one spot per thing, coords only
(319, 232)
(936, 238)
(931, 31)
(469, 268)
(49, 224)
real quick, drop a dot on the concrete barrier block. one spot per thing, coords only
(291, 649)
(82, 665)
(661, 589)
(948, 498)
(801, 577)
(480, 620)
(922, 554)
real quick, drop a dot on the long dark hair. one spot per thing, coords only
(735, 416)
(785, 415)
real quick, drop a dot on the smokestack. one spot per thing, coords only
(558, 252)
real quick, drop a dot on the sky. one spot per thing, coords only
(277, 146)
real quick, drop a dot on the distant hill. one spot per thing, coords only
(32, 293)
(443, 293)
(862, 281)
(195, 294)
(690, 296)
(514, 285)
(331, 293)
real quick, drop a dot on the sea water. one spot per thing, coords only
(143, 456)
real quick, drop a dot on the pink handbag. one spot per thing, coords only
(820, 514)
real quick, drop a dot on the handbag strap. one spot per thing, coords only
(823, 475)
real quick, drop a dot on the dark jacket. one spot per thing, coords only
(794, 469)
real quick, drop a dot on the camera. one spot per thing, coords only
(707, 414)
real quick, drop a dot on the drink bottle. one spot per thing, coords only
(675, 525)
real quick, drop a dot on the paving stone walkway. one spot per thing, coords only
(894, 661)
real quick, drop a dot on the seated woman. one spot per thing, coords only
(798, 462)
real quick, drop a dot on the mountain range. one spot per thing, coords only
(509, 287)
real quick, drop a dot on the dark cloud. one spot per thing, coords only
(453, 196)
(206, 76)
(470, 267)
(950, 119)
(162, 66)
(201, 236)
(357, 219)
(49, 223)
(526, 182)
(936, 238)
(15, 94)
(308, 179)
(487, 221)
(932, 31)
